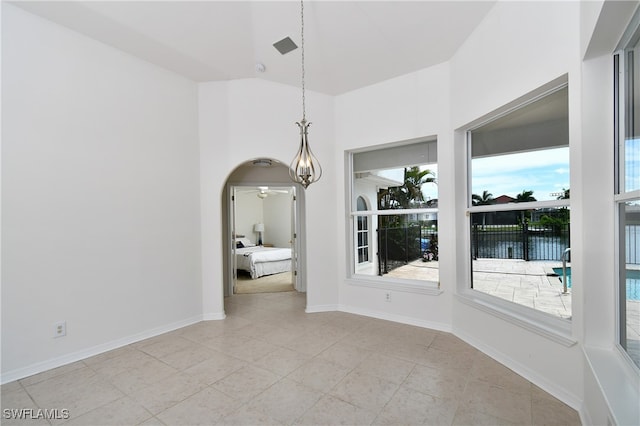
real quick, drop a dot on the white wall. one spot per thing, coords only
(213, 134)
(277, 219)
(100, 196)
(407, 107)
(273, 211)
(517, 48)
(249, 211)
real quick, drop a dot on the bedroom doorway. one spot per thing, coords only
(263, 226)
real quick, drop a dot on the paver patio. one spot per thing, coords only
(525, 283)
(529, 283)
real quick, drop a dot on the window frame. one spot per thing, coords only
(375, 281)
(554, 328)
(622, 196)
(365, 232)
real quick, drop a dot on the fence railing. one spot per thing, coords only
(632, 244)
(398, 246)
(521, 241)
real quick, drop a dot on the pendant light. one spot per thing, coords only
(305, 168)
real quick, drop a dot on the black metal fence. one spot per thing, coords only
(400, 242)
(400, 245)
(521, 241)
(632, 244)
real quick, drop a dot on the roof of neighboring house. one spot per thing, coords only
(504, 199)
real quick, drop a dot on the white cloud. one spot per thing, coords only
(543, 172)
(557, 158)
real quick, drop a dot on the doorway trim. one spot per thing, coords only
(300, 281)
(233, 190)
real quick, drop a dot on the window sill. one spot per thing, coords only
(619, 382)
(556, 329)
(364, 266)
(427, 287)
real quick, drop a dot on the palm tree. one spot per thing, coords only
(564, 212)
(414, 178)
(409, 193)
(566, 194)
(406, 195)
(483, 200)
(524, 197)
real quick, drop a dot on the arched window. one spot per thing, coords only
(363, 232)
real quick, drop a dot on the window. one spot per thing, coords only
(394, 213)
(518, 203)
(627, 149)
(363, 233)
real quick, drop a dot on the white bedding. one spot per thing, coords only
(259, 261)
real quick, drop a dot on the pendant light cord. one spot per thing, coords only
(304, 112)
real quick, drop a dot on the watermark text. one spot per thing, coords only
(35, 413)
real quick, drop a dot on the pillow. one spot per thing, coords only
(245, 242)
(239, 244)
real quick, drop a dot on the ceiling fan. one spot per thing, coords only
(264, 191)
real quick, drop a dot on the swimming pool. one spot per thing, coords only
(633, 282)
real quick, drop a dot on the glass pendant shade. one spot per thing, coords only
(305, 167)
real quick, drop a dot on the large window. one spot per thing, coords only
(627, 148)
(519, 203)
(394, 211)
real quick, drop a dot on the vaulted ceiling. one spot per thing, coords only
(348, 44)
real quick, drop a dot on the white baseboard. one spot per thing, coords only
(214, 317)
(380, 315)
(543, 383)
(39, 367)
(396, 318)
(321, 308)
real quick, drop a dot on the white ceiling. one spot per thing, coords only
(348, 44)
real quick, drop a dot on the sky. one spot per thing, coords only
(546, 173)
(632, 164)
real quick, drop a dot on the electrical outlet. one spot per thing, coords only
(387, 296)
(60, 329)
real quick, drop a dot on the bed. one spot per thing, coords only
(260, 261)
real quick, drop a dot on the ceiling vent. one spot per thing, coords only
(285, 45)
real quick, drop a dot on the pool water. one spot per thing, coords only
(633, 282)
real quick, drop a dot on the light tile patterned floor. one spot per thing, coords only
(270, 363)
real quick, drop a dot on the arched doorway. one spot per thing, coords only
(262, 181)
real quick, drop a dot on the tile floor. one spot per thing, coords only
(270, 363)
